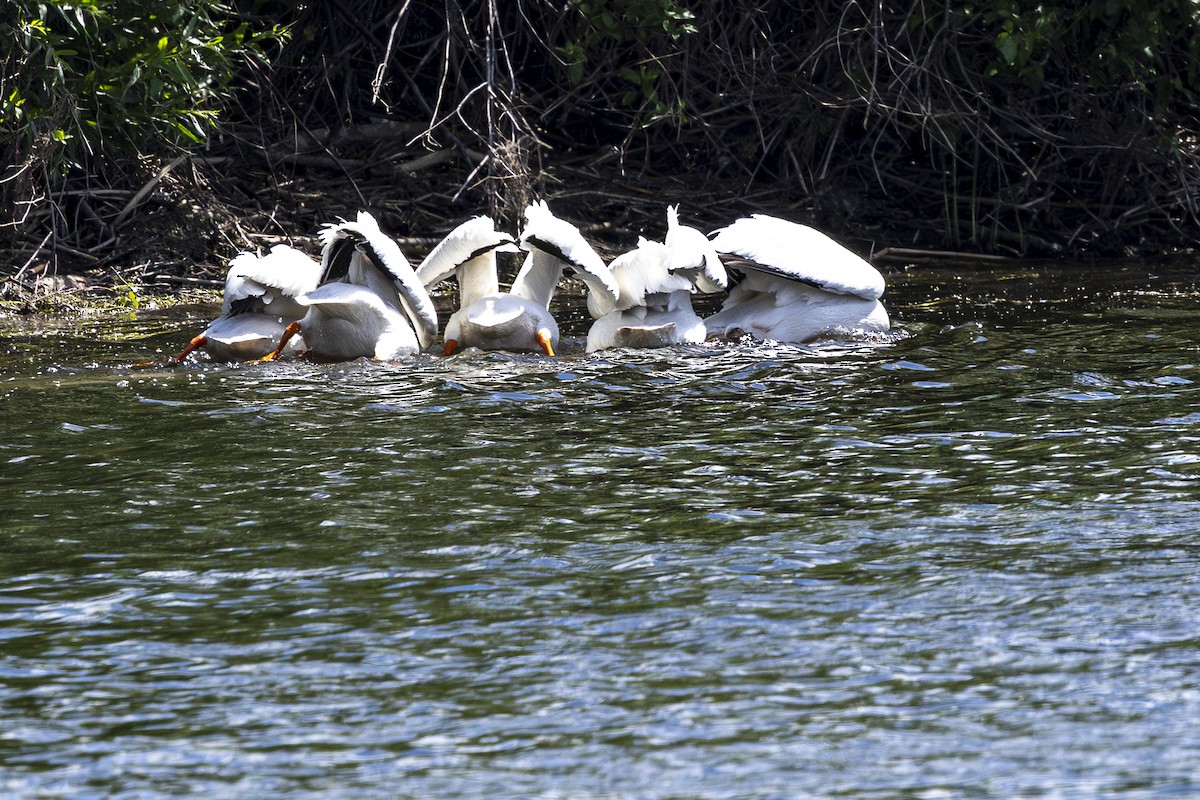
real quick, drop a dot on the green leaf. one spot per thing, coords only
(1007, 48)
(179, 126)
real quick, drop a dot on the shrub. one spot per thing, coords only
(84, 79)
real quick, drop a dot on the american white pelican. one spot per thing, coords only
(554, 244)
(260, 300)
(359, 253)
(653, 307)
(370, 302)
(486, 317)
(796, 284)
(345, 321)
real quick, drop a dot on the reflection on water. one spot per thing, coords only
(959, 562)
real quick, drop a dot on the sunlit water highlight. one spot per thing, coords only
(961, 562)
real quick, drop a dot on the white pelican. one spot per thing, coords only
(486, 317)
(370, 302)
(260, 300)
(345, 321)
(554, 244)
(796, 283)
(653, 308)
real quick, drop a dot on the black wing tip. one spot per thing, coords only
(243, 305)
(483, 251)
(337, 264)
(742, 265)
(548, 247)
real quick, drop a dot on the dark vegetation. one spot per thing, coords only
(150, 141)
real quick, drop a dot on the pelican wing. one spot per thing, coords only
(693, 255)
(342, 241)
(269, 282)
(799, 253)
(356, 299)
(474, 238)
(558, 238)
(640, 274)
(338, 246)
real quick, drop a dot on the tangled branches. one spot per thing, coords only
(939, 125)
(917, 119)
(977, 126)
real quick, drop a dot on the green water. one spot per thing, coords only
(961, 562)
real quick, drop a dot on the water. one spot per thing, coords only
(961, 562)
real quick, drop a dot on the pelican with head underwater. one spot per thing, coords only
(656, 281)
(486, 317)
(794, 283)
(262, 297)
(369, 303)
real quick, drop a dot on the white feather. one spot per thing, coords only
(272, 280)
(347, 321)
(692, 254)
(800, 252)
(639, 273)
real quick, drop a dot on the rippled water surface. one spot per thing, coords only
(961, 562)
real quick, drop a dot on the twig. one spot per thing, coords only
(37, 251)
(145, 190)
(160, 278)
(57, 246)
(426, 161)
(917, 254)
